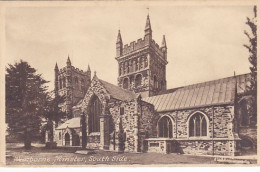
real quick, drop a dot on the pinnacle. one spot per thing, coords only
(56, 66)
(164, 42)
(148, 23)
(89, 68)
(68, 60)
(119, 38)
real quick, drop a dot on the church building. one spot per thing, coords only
(141, 115)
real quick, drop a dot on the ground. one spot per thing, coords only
(39, 155)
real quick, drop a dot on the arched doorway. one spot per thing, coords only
(67, 139)
(75, 140)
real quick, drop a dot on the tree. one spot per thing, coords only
(26, 94)
(252, 48)
(53, 113)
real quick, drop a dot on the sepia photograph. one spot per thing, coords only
(130, 84)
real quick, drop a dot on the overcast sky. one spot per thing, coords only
(204, 43)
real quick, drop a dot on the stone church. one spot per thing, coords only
(141, 115)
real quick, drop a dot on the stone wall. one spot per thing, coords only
(221, 138)
(222, 119)
(124, 125)
(147, 123)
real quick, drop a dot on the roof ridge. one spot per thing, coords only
(117, 92)
(117, 86)
(196, 84)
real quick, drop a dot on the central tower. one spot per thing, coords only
(142, 64)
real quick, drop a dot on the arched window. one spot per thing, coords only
(125, 83)
(64, 82)
(138, 80)
(243, 113)
(141, 63)
(121, 71)
(95, 109)
(197, 125)
(162, 84)
(134, 65)
(155, 82)
(137, 64)
(127, 67)
(165, 127)
(130, 66)
(145, 62)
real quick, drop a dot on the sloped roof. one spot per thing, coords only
(72, 123)
(118, 92)
(221, 91)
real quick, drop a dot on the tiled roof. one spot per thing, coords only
(221, 91)
(72, 123)
(118, 92)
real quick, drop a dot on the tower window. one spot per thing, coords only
(64, 82)
(138, 80)
(125, 83)
(130, 66)
(145, 62)
(60, 83)
(76, 82)
(82, 85)
(134, 66)
(141, 63)
(162, 84)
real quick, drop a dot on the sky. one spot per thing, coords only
(204, 42)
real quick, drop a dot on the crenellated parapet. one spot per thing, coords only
(74, 69)
(140, 44)
(133, 46)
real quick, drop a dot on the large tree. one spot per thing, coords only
(53, 112)
(252, 48)
(26, 94)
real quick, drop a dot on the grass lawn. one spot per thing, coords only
(39, 155)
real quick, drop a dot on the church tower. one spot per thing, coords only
(142, 64)
(73, 83)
